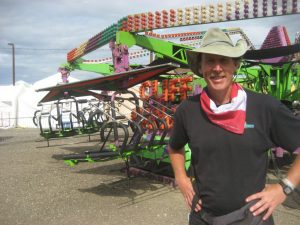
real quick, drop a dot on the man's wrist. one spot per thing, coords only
(287, 186)
(181, 177)
(289, 183)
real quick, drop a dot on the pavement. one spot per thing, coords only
(37, 188)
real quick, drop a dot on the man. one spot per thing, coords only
(229, 131)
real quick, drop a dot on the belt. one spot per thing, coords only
(242, 216)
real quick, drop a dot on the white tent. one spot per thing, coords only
(18, 103)
(9, 103)
(51, 81)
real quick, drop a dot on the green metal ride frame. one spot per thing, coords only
(282, 82)
(163, 49)
(101, 68)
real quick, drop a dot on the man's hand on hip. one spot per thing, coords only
(268, 200)
(186, 188)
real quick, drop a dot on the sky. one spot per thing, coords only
(44, 31)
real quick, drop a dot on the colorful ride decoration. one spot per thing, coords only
(203, 14)
(100, 39)
(65, 73)
(277, 37)
(105, 66)
(281, 82)
(131, 55)
(168, 90)
(120, 57)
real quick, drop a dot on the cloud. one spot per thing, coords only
(57, 26)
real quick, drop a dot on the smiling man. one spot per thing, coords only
(229, 131)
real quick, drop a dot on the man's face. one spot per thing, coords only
(217, 71)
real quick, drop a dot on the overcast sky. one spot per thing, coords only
(45, 31)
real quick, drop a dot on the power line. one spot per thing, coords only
(41, 49)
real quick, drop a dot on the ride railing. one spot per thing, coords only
(90, 115)
(68, 117)
(114, 136)
(125, 136)
(152, 151)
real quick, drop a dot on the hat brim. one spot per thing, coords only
(193, 56)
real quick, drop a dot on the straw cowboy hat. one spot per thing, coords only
(216, 42)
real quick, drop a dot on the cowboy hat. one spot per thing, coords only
(216, 42)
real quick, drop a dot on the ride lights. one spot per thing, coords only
(81, 49)
(143, 21)
(211, 13)
(144, 88)
(154, 88)
(129, 23)
(150, 21)
(220, 11)
(188, 15)
(184, 87)
(173, 88)
(255, 8)
(196, 15)
(203, 14)
(157, 19)
(246, 9)
(165, 18)
(237, 9)
(109, 32)
(294, 6)
(136, 22)
(172, 17)
(124, 25)
(284, 6)
(228, 10)
(165, 84)
(265, 7)
(71, 55)
(274, 7)
(93, 42)
(179, 16)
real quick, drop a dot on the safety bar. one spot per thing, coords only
(138, 133)
(158, 120)
(154, 127)
(103, 154)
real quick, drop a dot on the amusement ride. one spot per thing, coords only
(131, 106)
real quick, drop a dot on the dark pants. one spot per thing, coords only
(242, 216)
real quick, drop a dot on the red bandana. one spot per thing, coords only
(231, 116)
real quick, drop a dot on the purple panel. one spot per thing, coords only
(275, 38)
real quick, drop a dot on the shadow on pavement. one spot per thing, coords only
(136, 189)
(111, 169)
(75, 149)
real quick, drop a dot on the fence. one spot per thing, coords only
(7, 121)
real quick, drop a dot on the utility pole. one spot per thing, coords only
(13, 63)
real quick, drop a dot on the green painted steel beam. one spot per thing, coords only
(103, 68)
(173, 51)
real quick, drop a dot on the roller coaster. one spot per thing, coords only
(132, 105)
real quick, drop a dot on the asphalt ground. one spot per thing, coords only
(37, 188)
